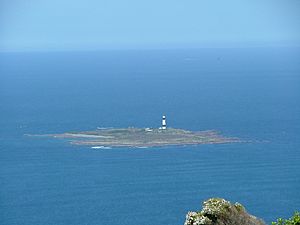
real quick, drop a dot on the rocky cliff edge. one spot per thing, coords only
(218, 211)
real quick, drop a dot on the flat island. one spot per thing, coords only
(143, 137)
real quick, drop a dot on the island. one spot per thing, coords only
(143, 137)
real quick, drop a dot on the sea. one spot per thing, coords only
(249, 93)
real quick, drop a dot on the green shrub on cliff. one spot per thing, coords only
(294, 220)
(218, 211)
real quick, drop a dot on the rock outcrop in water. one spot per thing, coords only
(217, 211)
(144, 137)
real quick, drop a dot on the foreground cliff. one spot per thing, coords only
(217, 211)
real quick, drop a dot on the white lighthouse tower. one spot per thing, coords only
(164, 123)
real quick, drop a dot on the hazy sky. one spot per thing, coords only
(98, 24)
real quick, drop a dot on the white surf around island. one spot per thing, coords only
(100, 147)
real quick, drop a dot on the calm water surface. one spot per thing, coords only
(253, 94)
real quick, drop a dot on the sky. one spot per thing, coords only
(43, 25)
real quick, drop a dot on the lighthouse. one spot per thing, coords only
(164, 123)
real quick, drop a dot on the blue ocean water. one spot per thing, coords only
(253, 94)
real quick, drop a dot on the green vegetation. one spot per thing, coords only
(294, 220)
(218, 211)
(239, 207)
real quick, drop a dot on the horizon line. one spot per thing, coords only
(146, 49)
